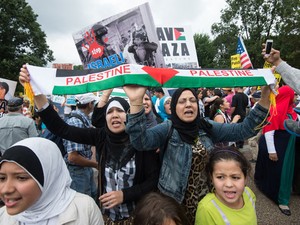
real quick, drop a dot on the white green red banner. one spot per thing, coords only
(55, 81)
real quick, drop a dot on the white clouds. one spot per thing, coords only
(60, 19)
(63, 48)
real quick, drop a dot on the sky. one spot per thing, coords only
(59, 19)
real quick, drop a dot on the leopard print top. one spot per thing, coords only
(197, 186)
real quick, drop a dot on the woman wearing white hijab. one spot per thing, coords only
(35, 188)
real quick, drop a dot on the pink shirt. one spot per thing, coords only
(229, 99)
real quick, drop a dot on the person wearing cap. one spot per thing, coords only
(15, 126)
(79, 156)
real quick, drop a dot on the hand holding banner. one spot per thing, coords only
(55, 81)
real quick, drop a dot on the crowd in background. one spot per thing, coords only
(157, 159)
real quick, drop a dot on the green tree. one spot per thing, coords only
(21, 39)
(205, 50)
(256, 21)
(78, 67)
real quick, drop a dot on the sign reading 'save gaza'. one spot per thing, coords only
(56, 81)
(178, 47)
(127, 37)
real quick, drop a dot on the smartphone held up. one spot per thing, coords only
(269, 44)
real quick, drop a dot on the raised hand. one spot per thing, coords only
(273, 57)
(135, 94)
(24, 75)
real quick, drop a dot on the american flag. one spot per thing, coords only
(245, 59)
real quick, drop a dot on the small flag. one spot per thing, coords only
(245, 59)
(178, 34)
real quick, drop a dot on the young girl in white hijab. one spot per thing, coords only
(35, 188)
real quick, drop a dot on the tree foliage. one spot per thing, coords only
(21, 39)
(78, 67)
(256, 21)
(205, 49)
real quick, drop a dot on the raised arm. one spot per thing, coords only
(265, 97)
(289, 74)
(98, 116)
(55, 124)
(135, 94)
(250, 126)
(104, 98)
(141, 137)
(273, 57)
(39, 100)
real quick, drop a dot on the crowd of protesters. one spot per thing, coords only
(157, 159)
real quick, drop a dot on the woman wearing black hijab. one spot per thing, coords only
(185, 142)
(125, 174)
(98, 117)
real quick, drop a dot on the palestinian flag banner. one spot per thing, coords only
(55, 81)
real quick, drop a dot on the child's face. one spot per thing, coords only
(137, 41)
(18, 190)
(229, 182)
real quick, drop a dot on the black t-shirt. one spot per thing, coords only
(240, 102)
